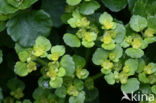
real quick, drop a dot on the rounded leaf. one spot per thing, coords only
(115, 5)
(73, 2)
(21, 69)
(131, 86)
(25, 27)
(71, 40)
(138, 23)
(134, 53)
(68, 64)
(88, 8)
(99, 56)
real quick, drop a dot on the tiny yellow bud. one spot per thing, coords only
(149, 32)
(126, 69)
(52, 74)
(136, 43)
(148, 69)
(54, 56)
(107, 39)
(112, 56)
(107, 65)
(88, 37)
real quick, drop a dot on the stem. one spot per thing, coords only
(41, 61)
(98, 75)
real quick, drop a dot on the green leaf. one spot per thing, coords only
(68, 64)
(143, 78)
(152, 22)
(138, 23)
(57, 83)
(120, 33)
(1, 56)
(131, 4)
(99, 56)
(2, 25)
(15, 83)
(73, 2)
(131, 86)
(5, 8)
(88, 8)
(144, 8)
(91, 94)
(117, 52)
(61, 92)
(21, 69)
(21, 4)
(25, 27)
(153, 89)
(56, 9)
(115, 5)
(80, 62)
(133, 65)
(60, 49)
(78, 99)
(110, 79)
(26, 101)
(134, 53)
(71, 40)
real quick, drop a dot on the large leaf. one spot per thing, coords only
(5, 8)
(27, 26)
(152, 22)
(1, 56)
(134, 53)
(144, 7)
(115, 5)
(21, 4)
(56, 9)
(68, 64)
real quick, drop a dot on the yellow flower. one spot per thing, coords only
(55, 56)
(52, 73)
(123, 78)
(88, 37)
(126, 69)
(107, 65)
(108, 24)
(136, 43)
(112, 56)
(149, 32)
(129, 39)
(148, 69)
(72, 90)
(38, 51)
(107, 39)
(31, 66)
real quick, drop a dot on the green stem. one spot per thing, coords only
(96, 76)
(41, 61)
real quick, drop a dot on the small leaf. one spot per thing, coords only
(71, 40)
(88, 8)
(154, 89)
(115, 5)
(68, 64)
(27, 26)
(73, 2)
(60, 49)
(80, 62)
(131, 86)
(120, 33)
(99, 56)
(77, 99)
(15, 83)
(57, 83)
(61, 92)
(110, 78)
(133, 65)
(134, 53)
(138, 23)
(21, 69)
